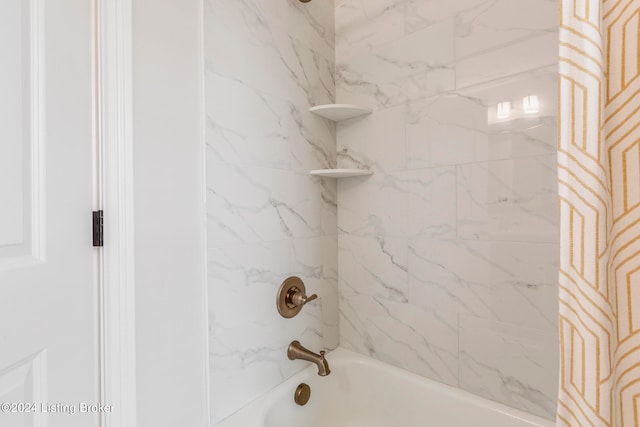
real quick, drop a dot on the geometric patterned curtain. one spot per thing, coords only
(599, 175)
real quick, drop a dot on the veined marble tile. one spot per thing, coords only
(512, 365)
(425, 13)
(315, 261)
(505, 37)
(439, 277)
(313, 23)
(446, 130)
(462, 127)
(314, 72)
(242, 44)
(401, 204)
(233, 377)
(259, 204)
(233, 336)
(241, 372)
(512, 200)
(246, 127)
(506, 281)
(419, 340)
(251, 128)
(248, 337)
(416, 53)
(313, 140)
(267, 62)
(324, 89)
(374, 266)
(247, 273)
(373, 142)
(411, 67)
(363, 24)
(249, 331)
(328, 205)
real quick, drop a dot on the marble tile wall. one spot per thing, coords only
(267, 62)
(448, 253)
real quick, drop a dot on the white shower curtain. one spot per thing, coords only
(599, 174)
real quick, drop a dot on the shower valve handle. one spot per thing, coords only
(292, 296)
(297, 297)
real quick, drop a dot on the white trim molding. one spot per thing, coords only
(37, 102)
(115, 133)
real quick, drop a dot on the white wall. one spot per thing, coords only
(169, 210)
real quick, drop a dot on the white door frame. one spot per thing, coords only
(113, 88)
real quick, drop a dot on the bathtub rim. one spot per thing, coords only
(259, 408)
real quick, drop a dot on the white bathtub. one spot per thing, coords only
(362, 392)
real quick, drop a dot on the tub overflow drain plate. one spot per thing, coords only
(302, 394)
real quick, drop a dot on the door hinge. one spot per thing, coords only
(98, 228)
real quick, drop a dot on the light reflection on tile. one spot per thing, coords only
(458, 128)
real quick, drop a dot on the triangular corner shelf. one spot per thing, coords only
(341, 173)
(340, 112)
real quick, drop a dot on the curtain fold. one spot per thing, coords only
(599, 190)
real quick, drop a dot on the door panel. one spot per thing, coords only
(20, 102)
(48, 339)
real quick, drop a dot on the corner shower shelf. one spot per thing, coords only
(340, 112)
(341, 173)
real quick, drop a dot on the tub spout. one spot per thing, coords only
(297, 351)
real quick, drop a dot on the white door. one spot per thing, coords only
(48, 315)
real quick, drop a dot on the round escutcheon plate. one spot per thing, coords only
(303, 394)
(288, 288)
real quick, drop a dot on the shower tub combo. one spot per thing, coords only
(362, 392)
